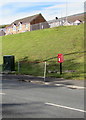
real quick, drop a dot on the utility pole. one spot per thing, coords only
(66, 9)
(61, 19)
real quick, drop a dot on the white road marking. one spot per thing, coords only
(77, 87)
(59, 84)
(61, 106)
(2, 93)
(47, 83)
(71, 86)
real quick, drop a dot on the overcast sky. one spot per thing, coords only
(11, 10)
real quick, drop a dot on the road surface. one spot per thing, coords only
(37, 100)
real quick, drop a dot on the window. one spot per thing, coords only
(14, 28)
(9, 30)
(27, 26)
(42, 26)
(20, 27)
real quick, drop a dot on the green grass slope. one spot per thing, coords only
(44, 44)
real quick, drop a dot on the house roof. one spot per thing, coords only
(25, 20)
(75, 17)
(77, 21)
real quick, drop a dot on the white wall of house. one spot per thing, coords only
(77, 22)
(66, 23)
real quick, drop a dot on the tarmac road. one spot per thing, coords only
(38, 100)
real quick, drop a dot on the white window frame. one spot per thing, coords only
(20, 27)
(42, 26)
(14, 28)
(27, 26)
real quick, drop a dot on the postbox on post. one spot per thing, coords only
(60, 60)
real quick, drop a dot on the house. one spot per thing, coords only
(4, 29)
(77, 22)
(56, 22)
(27, 24)
(67, 23)
(53, 23)
(2, 33)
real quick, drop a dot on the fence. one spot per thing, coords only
(38, 26)
(43, 69)
(31, 68)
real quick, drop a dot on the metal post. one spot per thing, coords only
(60, 68)
(45, 71)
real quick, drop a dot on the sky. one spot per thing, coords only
(11, 10)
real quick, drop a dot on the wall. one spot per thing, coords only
(10, 30)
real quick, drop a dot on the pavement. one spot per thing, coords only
(73, 84)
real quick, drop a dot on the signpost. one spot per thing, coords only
(60, 60)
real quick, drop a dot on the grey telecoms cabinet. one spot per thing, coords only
(8, 63)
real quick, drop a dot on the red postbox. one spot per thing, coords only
(60, 58)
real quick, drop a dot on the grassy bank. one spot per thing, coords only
(44, 45)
